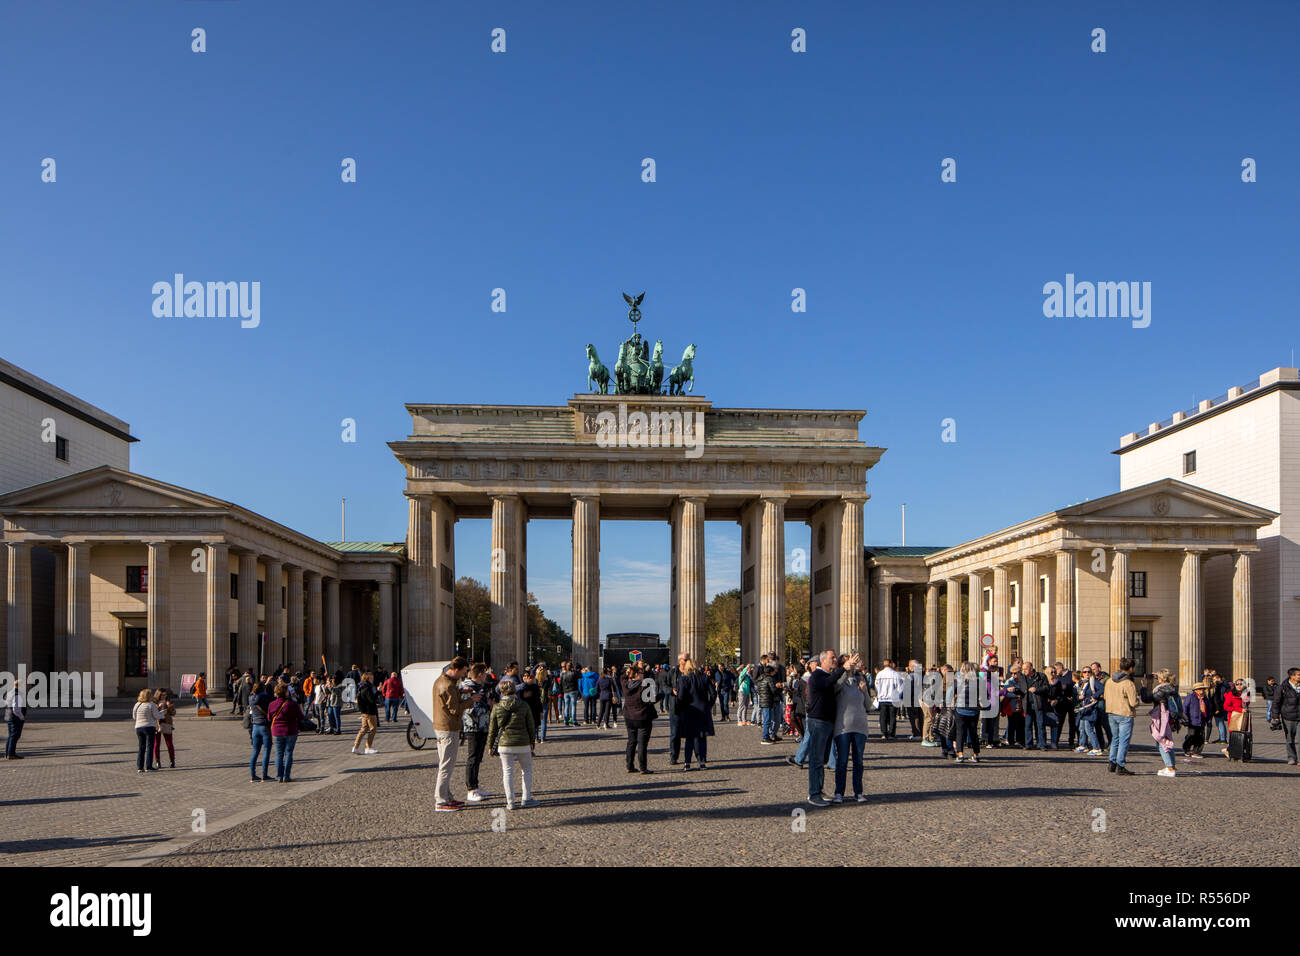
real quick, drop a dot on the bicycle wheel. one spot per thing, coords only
(413, 739)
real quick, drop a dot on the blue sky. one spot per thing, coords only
(522, 170)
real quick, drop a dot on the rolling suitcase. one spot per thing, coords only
(1239, 745)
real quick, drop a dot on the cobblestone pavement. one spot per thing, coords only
(76, 799)
(1015, 807)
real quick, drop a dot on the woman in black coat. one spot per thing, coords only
(638, 715)
(694, 711)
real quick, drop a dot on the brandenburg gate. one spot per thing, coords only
(638, 454)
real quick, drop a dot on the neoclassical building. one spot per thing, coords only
(1119, 576)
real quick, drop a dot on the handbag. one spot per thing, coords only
(247, 722)
(306, 723)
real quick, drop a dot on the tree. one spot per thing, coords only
(722, 627)
(473, 615)
(798, 623)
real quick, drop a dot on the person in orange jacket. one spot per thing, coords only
(201, 691)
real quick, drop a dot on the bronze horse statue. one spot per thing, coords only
(596, 372)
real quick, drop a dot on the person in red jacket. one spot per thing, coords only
(394, 694)
(1234, 702)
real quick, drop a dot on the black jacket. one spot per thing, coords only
(1287, 702)
(366, 701)
(1033, 690)
(635, 707)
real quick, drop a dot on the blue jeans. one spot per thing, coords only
(543, 723)
(1221, 725)
(336, 725)
(390, 708)
(1088, 731)
(15, 731)
(1121, 732)
(570, 707)
(261, 744)
(769, 723)
(850, 748)
(1035, 729)
(144, 757)
(284, 755)
(724, 701)
(200, 703)
(819, 733)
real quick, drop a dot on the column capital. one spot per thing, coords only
(855, 498)
(697, 499)
(584, 496)
(779, 499)
(506, 496)
(1245, 552)
(1124, 548)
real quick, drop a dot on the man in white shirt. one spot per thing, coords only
(15, 708)
(889, 693)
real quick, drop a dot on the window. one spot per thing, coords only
(234, 586)
(1189, 463)
(137, 652)
(137, 580)
(284, 596)
(988, 599)
(60, 448)
(261, 589)
(1137, 650)
(1042, 590)
(1013, 596)
(1137, 584)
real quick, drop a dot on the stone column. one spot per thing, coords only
(1243, 627)
(60, 610)
(1119, 636)
(1002, 611)
(586, 579)
(443, 587)
(1191, 623)
(1031, 636)
(217, 633)
(504, 581)
(247, 643)
(294, 628)
(387, 647)
(78, 613)
(276, 649)
(20, 605)
(1066, 648)
(932, 624)
(975, 620)
(422, 578)
(4, 605)
(884, 624)
(853, 580)
(771, 579)
(690, 566)
(318, 639)
(953, 620)
(159, 611)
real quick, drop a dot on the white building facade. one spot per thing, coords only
(1244, 444)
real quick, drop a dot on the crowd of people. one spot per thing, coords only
(822, 705)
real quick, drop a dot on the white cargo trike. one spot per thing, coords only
(417, 681)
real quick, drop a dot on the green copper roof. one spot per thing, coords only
(896, 551)
(367, 547)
